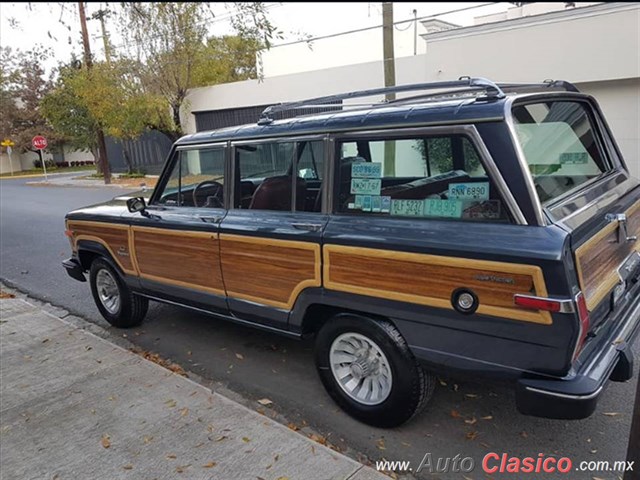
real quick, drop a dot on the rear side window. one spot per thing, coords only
(560, 146)
(437, 177)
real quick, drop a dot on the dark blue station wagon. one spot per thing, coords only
(467, 227)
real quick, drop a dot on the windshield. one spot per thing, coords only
(559, 144)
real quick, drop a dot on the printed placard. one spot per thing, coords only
(435, 207)
(407, 208)
(376, 204)
(358, 202)
(366, 170)
(366, 203)
(366, 186)
(385, 206)
(574, 158)
(469, 191)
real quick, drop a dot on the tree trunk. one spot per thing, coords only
(175, 111)
(96, 158)
(104, 161)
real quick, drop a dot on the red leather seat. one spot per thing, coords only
(274, 193)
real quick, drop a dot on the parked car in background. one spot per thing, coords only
(469, 227)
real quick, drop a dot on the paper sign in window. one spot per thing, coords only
(407, 208)
(434, 207)
(469, 191)
(366, 170)
(366, 186)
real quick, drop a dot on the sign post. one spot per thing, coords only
(8, 144)
(40, 143)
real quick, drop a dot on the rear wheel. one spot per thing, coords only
(368, 369)
(116, 302)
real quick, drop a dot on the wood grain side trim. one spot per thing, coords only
(187, 259)
(269, 271)
(598, 259)
(112, 236)
(430, 279)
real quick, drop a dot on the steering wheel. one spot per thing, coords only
(218, 192)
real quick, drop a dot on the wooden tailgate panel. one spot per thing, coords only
(598, 259)
(430, 280)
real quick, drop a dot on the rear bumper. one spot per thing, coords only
(576, 396)
(74, 269)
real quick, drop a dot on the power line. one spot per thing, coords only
(364, 29)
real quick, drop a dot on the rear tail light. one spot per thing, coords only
(583, 316)
(537, 303)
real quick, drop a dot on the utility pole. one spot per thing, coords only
(633, 450)
(415, 31)
(389, 63)
(101, 15)
(102, 147)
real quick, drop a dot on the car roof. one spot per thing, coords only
(436, 109)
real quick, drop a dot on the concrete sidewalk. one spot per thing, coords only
(75, 406)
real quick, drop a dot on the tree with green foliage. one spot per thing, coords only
(170, 42)
(23, 85)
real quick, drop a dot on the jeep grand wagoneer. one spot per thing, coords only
(469, 226)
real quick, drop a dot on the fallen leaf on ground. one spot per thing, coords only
(170, 403)
(106, 441)
(380, 444)
(128, 467)
(293, 427)
(612, 414)
(182, 468)
(171, 456)
(6, 295)
(184, 412)
(265, 401)
(470, 421)
(45, 340)
(524, 434)
(283, 478)
(455, 414)
(210, 465)
(488, 417)
(471, 435)
(471, 395)
(146, 439)
(246, 439)
(219, 439)
(239, 356)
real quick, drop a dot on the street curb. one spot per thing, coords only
(214, 387)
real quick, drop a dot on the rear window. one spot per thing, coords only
(560, 145)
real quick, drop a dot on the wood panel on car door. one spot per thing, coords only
(177, 253)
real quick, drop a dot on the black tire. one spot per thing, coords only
(131, 309)
(411, 387)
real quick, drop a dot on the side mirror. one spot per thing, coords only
(136, 204)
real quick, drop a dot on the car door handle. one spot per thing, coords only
(311, 227)
(211, 219)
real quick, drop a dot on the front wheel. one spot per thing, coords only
(369, 371)
(116, 302)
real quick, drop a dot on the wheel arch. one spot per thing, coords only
(89, 250)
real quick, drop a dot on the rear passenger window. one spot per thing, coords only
(267, 172)
(431, 177)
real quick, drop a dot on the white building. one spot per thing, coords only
(597, 47)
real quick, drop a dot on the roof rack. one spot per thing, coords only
(463, 85)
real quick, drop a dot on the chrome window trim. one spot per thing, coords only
(524, 166)
(468, 130)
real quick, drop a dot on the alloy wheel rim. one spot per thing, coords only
(108, 291)
(360, 368)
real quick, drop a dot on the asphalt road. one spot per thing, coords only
(469, 418)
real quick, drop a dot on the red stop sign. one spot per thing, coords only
(39, 142)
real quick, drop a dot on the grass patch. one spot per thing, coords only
(39, 171)
(132, 175)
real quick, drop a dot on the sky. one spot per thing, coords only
(24, 25)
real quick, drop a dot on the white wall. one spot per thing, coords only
(5, 166)
(596, 47)
(620, 103)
